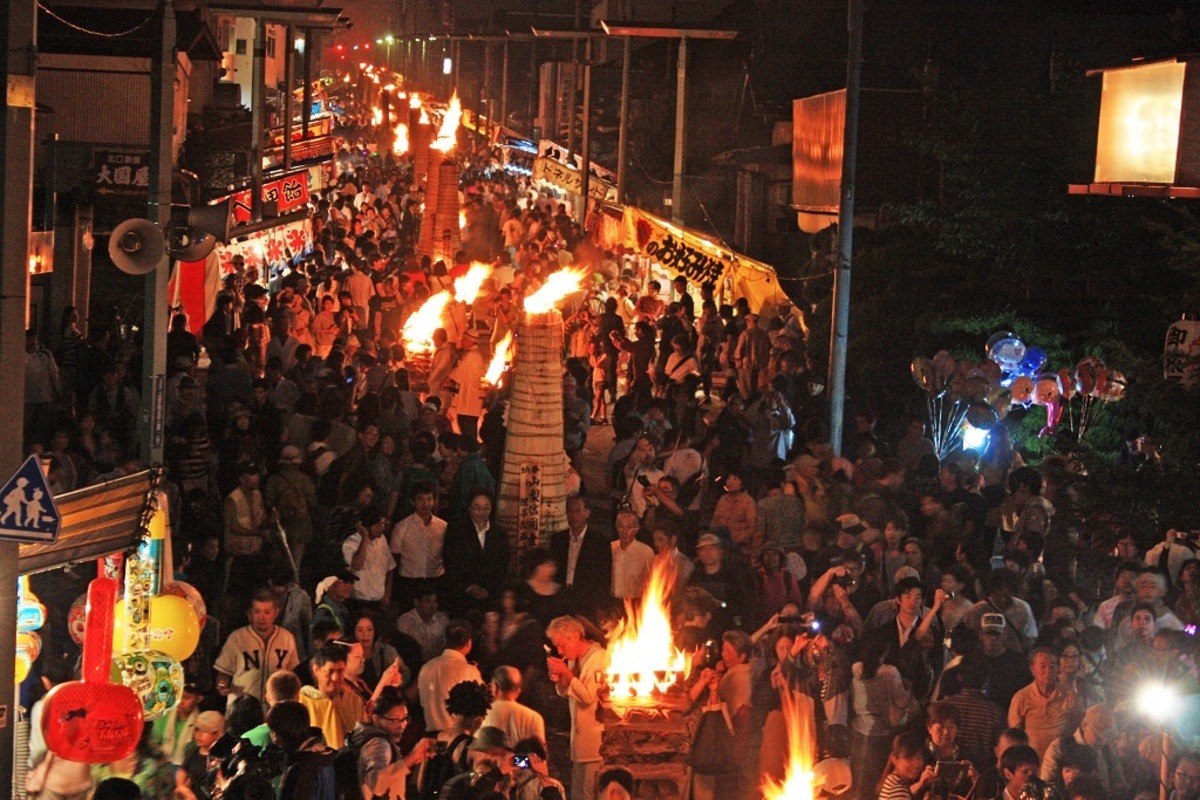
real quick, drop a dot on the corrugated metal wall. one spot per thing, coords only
(108, 107)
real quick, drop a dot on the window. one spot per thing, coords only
(241, 47)
(270, 46)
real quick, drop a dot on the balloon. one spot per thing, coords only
(155, 677)
(1067, 383)
(1117, 384)
(1053, 415)
(981, 415)
(1046, 390)
(1006, 349)
(93, 721)
(1035, 359)
(21, 667)
(189, 593)
(174, 628)
(1001, 401)
(991, 371)
(1022, 389)
(30, 615)
(1085, 375)
(31, 644)
(977, 385)
(76, 617)
(1101, 382)
(923, 374)
(944, 367)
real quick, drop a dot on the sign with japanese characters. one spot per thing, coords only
(1181, 353)
(121, 173)
(568, 179)
(289, 193)
(267, 248)
(529, 508)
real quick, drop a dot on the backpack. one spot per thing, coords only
(292, 504)
(442, 767)
(345, 766)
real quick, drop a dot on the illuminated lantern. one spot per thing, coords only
(156, 678)
(94, 721)
(174, 627)
(1181, 352)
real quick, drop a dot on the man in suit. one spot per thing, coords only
(584, 560)
(475, 554)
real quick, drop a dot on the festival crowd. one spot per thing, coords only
(951, 628)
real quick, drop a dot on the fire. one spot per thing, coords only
(376, 115)
(401, 145)
(799, 782)
(414, 102)
(447, 136)
(643, 660)
(424, 117)
(500, 360)
(418, 330)
(462, 220)
(558, 285)
(466, 288)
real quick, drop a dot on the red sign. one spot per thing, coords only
(290, 193)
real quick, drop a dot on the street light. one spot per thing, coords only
(656, 32)
(1157, 702)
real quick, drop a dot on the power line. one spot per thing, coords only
(89, 32)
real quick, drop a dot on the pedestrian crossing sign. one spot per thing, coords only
(27, 510)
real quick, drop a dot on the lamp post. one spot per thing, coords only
(683, 35)
(389, 40)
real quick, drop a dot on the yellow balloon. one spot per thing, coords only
(21, 667)
(174, 627)
(158, 524)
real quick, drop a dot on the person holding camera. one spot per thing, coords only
(532, 779)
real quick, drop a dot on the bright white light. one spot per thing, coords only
(447, 65)
(1156, 701)
(974, 438)
(299, 45)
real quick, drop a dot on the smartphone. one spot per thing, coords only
(520, 761)
(643, 480)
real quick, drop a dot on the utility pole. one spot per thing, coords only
(20, 37)
(623, 125)
(289, 79)
(154, 316)
(680, 126)
(585, 163)
(839, 334)
(258, 70)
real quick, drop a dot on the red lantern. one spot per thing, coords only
(94, 721)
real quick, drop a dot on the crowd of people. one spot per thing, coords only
(950, 628)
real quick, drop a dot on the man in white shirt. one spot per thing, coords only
(254, 652)
(416, 545)
(631, 559)
(516, 720)
(443, 672)
(366, 552)
(574, 674)
(424, 624)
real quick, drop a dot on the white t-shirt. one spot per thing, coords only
(372, 578)
(418, 547)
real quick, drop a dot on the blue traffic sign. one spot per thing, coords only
(27, 510)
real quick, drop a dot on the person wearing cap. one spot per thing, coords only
(1004, 670)
(331, 596)
(718, 577)
(467, 374)
(844, 547)
(254, 652)
(1020, 628)
(490, 756)
(533, 782)
(574, 673)
(208, 728)
(292, 494)
(172, 732)
(751, 355)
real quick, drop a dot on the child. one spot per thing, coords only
(598, 357)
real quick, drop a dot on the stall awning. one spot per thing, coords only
(96, 521)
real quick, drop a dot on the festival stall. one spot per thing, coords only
(682, 251)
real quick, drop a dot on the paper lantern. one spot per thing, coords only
(94, 721)
(156, 678)
(174, 628)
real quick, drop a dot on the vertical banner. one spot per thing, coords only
(529, 508)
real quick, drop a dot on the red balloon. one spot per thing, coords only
(94, 721)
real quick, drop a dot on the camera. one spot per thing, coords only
(794, 619)
(712, 653)
(814, 626)
(520, 761)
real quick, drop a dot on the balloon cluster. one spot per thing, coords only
(31, 615)
(980, 394)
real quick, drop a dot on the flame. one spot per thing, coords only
(424, 117)
(500, 360)
(401, 145)
(462, 219)
(414, 102)
(447, 136)
(376, 115)
(558, 285)
(799, 782)
(419, 328)
(643, 660)
(466, 288)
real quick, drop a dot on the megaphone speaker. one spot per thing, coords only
(211, 220)
(136, 246)
(190, 244)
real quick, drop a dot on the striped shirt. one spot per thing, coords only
(894, 787)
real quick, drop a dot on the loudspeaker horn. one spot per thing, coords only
(206, 225)
(188, 244)
(213, 220)
(136, 246)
